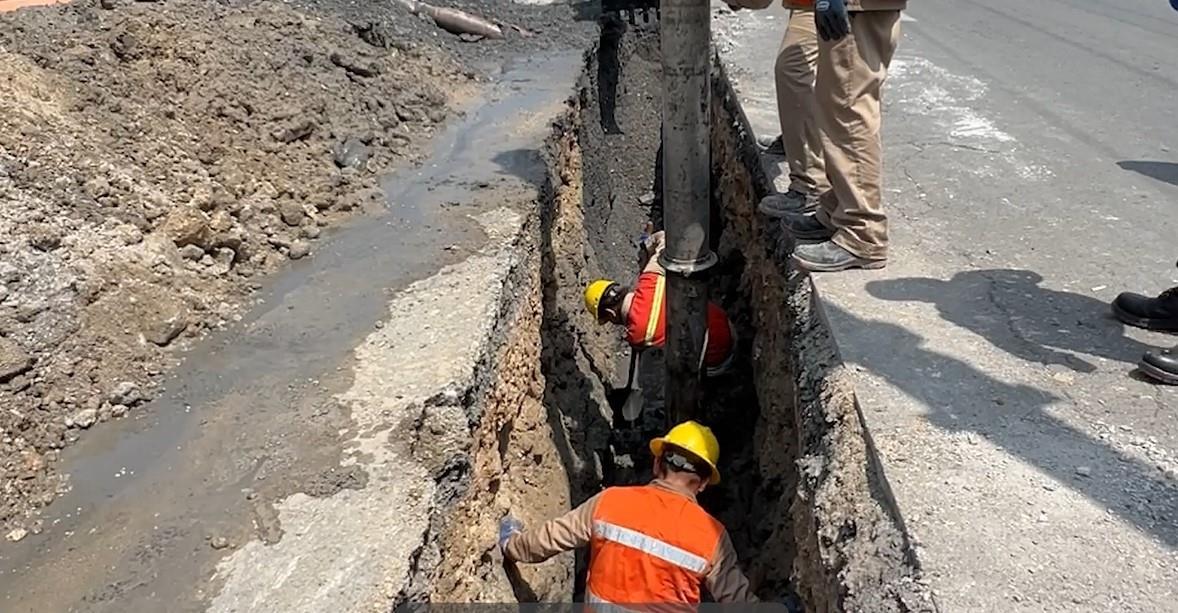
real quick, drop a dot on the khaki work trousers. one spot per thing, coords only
(851, 73)
(794, 73)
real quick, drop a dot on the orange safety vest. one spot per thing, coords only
(647, 321)
(649, 546)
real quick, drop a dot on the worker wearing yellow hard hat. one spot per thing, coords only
(650, 543)
(643, 311)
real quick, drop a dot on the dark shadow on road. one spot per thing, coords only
(1166, 172)
(1011, 310)
(959, 397)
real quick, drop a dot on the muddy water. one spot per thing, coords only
(251, 416)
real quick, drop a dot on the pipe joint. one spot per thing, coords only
(688, 268)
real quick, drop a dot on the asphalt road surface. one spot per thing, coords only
(1031, 175)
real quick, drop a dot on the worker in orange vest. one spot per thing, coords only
(643, 311)
(648, 544)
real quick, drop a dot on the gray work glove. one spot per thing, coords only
(831, 19)
(507, 527)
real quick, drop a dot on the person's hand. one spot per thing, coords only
(507, 527)
(831, 19)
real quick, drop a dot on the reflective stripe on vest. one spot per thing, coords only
(650, 545)
(659, 549)
(656, 308)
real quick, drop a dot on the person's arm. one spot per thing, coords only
(565, 533)
(725, 581)
(654, 248)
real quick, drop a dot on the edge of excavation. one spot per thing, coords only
(854, 550)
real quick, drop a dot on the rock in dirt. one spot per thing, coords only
(354, 66)
(13, 359)
(126, 393)
(192, 253)
(297, 130)
(187, 226)
(311, 232)
(219, 542)
(118, 410)
(292, 213)
(299, 250)
(17, 534)
(352, 153)
(85, 418)
(165, 330)
(44, 237)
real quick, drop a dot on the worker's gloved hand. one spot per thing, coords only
(507, 527)
(831, 19)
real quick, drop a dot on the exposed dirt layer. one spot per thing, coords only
(852, 550)
(155, 158)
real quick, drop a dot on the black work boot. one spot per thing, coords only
(1161, 365)
(1160, 313)
(806, 227)
(828, 256)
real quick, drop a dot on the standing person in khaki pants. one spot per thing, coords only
(801, 140)
(858, 39)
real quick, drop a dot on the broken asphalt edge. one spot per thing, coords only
(854, 551)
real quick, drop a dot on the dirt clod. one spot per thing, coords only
(13, 360)
(85, 418)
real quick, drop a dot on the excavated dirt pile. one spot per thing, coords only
(155, 159)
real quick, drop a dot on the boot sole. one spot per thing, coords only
(1145, 323)
(863, 264)
(1157, 374)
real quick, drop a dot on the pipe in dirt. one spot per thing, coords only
(685, 33)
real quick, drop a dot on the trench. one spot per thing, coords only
(802, 496)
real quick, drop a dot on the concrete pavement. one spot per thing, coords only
(1030, 177)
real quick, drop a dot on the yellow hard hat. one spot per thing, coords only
(694, 438)
(593, 295)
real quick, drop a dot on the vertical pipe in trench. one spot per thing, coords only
(685, 32)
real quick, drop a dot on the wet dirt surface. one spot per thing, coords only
(150, 176)
(251, 416)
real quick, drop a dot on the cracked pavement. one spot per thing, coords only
(1030, 177)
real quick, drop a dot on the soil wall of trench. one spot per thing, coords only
(804, 497)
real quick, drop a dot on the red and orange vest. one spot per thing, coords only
(647, 321)
(649, 546)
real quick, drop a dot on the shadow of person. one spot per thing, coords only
(1011, 310)
(958, 397)
(1166, 172)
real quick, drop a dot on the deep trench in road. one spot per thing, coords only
(604, 154)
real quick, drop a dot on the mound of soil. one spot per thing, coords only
(155, 158)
